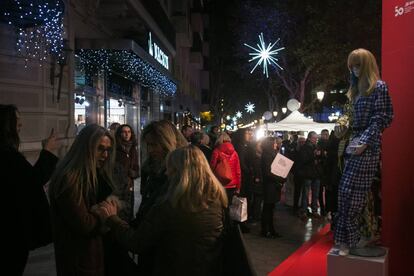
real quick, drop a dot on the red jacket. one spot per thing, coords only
(226, 150)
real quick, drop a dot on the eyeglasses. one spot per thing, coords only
(102, 149)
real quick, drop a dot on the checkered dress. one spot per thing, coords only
(372, 114)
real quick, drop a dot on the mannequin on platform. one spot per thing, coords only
(371, 113)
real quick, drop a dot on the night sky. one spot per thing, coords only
(318, 36)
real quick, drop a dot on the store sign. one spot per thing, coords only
(157, 53)
(404, 8)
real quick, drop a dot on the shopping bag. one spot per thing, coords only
(281, 166)
(238, 209)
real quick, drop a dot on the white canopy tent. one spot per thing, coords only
(296, 121)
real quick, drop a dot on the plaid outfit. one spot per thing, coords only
(372, 114)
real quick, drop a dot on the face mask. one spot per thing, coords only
(353, 79)
(356, 71)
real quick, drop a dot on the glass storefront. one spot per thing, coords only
(122, 112)
(85, 111)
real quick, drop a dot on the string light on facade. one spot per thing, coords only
(39, 27)
(264, 55)
(128, 65)
(249, 107)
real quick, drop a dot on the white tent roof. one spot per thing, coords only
(296, 121)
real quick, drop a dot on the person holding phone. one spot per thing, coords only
(27, 220)
(372, 112)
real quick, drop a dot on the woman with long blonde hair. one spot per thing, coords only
(159, 139)
(184, 229)
(193, 185)
(82, 180)
(372, 112)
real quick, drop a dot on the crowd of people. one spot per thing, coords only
(180, 227)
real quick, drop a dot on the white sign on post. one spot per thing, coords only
(281, 165)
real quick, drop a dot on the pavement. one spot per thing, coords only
(265, 254)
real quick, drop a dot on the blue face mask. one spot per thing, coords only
(354, 79)
(356, 71)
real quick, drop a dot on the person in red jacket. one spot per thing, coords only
(224, 149)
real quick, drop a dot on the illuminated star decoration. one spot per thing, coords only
(249, 107)
(238, 114)
(265, 55)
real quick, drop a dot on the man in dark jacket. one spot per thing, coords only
(242, 144)
(309, 158)
(202, 140)
(323, 145)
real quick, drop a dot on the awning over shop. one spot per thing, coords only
(128, 59)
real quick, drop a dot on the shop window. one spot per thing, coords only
(85, 111)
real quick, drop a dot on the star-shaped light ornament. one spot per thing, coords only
(264, 55)
(238, 114)
(249, 107)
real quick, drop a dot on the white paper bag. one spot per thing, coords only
(281, 165)
(238, 209)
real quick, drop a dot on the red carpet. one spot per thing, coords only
(309, 259)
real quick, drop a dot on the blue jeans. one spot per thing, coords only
(314, 185)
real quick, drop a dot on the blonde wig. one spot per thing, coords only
(193, 186)
(78, 169)
(369, 73)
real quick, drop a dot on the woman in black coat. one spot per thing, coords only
(159, 139)
(272, 186)
(28, 222)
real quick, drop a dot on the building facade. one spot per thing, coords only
(120, 61)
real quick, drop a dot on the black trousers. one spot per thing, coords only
(255, 205)
(267, 218)
(230, 193)
(16, 261)
(298, 190)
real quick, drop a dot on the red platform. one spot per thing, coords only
(310, 259)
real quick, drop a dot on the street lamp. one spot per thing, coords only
(320, 95)
(284, 110)
(274, 113)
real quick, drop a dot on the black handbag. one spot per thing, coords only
(234, 255)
